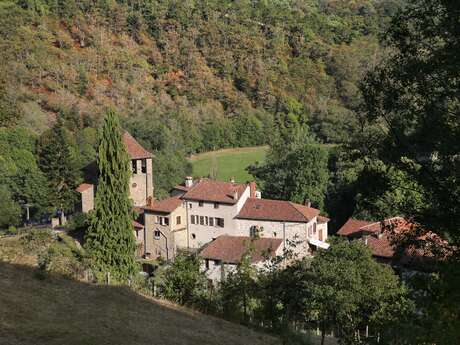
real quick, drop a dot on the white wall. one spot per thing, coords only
(287, 231)
(206, 233)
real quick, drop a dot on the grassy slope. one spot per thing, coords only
(60, 311)
(230, 162)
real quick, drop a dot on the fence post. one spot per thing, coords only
(108, 278)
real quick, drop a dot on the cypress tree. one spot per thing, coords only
(110, 238)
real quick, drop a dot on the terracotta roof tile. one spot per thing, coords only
(215, 191)
(137, 225)
(277, 210)
(380, 246)
(166, 206)
(230, 249)
(323, 219)
(354, 226)
(83, 187)
(135, 150)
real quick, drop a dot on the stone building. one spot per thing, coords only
(141, 181)
(164, 228)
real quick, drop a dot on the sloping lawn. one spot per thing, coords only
(229, 162)
(60, 311)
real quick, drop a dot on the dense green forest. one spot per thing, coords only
(185, 77)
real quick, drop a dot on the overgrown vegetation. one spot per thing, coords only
(186, 77)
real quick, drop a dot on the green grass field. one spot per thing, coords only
(229, 163)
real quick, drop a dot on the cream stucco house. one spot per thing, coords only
(216, 208)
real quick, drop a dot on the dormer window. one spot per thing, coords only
(144, 166)
(134, 166)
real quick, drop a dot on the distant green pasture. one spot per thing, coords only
(229, 163)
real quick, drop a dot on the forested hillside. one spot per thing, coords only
(185, 76)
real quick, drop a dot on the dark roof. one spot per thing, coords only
(83, 187)
(135, 150)
(277, 210)
(166, 206)
(230, 249)
(215, 191)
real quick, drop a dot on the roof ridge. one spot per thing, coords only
(293, 204)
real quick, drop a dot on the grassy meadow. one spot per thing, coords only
(228, 163)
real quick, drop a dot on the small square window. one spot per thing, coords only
(193, 236)
(190, 205)
(211, 221)
(178, 220)
(192, 219)
(216, 205)
(200, 203)
(156, 234)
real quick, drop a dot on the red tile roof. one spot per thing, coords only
(277, 210)
(166, 206)
(137, 225)
(323, 219)
(354, 226)
(230, 249)
(380, 246)
(215, 191)
(135, 150)
(83, 187)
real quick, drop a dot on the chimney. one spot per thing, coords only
(308, 203)
(252, 189)
(232, 179)
(235, 195)
(189, 181)
(150, 201)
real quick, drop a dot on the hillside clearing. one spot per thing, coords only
(61, 311)
(229, 162)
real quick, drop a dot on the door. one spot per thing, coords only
(320, 234)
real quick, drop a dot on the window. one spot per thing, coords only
(192, 219)
(216, 205)
(163, 220)
(216, 262)
(274, 234)
(201, 220)
(193, 236)
(178, 220)
(157, 219)
(190, 205)
(134, 166)
(144, 166)
(206, 263)
(200, 203)
(253, 231)
(156, 234)
(220, 222)
(206, 220)
(314, 228)
(211, 221)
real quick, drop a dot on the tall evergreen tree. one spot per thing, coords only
(110, 239)
(59, 166)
